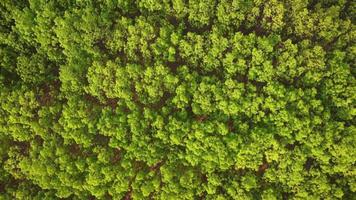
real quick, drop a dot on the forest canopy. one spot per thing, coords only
(177, 99)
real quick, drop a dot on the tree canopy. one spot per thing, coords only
(177, 99)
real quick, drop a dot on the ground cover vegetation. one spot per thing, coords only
(177, 99)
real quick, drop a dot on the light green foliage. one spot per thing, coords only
(177, 99)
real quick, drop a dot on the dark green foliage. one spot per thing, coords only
(177, 99)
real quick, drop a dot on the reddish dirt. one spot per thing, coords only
(263, 168)
(128, 195)
(156, 166)
(201, 118)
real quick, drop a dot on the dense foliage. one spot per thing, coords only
(177, 99)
